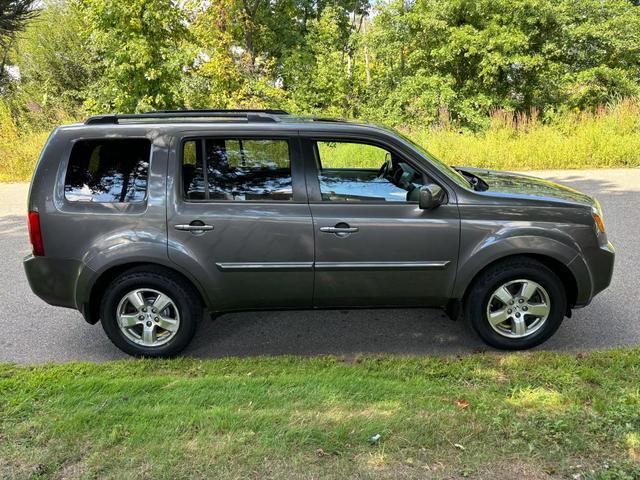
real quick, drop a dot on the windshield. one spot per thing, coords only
(443, 167)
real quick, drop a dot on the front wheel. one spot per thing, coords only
(516, 304)
(150, 313)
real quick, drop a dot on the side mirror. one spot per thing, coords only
(431, 196)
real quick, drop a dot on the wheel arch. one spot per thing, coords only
(91, 304)
(565, 274)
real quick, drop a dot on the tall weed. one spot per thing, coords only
(607, 138)
(18, 151)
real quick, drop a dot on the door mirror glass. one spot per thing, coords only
(431, 196)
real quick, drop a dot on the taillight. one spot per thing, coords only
(35, 234)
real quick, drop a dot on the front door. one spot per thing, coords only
(240, 221)
(373, 244)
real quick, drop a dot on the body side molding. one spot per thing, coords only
(242, 266)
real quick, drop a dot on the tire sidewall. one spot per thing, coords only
(125, 284)
(481, 294)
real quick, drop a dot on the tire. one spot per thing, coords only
(486, 299)
(145, 285)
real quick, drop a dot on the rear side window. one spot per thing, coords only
(108, 171)
(237, 169)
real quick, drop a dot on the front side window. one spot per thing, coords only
(237, 169)
(359, 172)
(108, 171)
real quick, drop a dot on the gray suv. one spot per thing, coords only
(149, 222)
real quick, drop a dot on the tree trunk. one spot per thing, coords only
(367, 68)
(250, 10)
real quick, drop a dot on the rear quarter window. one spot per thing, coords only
(108, 171)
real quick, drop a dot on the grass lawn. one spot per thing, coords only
(531, 415)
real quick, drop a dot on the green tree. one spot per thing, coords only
(600, 50)
(229, 69)
(14, 14)
(317, 74)
(252, 53)
(137, 49)
(395, 61)
(474, 56)
(54, 57)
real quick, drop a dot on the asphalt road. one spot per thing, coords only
(34, 332)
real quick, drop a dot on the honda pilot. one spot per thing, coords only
(148, 223)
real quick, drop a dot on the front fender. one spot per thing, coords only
(557, 246)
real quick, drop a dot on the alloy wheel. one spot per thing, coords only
(148, 317)
(518, 308)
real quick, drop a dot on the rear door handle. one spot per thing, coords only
(339, 229)
(193, 228)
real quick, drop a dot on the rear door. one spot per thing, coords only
(239, 220)
(373, 244)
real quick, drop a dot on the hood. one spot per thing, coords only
(532, 187)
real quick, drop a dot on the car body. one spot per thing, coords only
(301, 238)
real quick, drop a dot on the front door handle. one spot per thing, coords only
(341, 229)
(195, 226)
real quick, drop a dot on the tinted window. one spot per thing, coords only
(236, 169)
(358, 172)
(193, 171)
(108, 171)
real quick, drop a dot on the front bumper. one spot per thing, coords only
(599, 262)
(601, 266)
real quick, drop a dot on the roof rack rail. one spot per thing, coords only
(249, 115)
(268, 111)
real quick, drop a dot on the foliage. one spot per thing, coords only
(395, 62)
(225, 74)
(321, 73)
(137, 47)
(472, 57)
(54, 59)
(531, 415)
(49, 57)
(18, 152)
(14, 14)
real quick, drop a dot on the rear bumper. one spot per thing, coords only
(53, 280)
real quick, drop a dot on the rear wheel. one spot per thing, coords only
(150, 313)
(516, 304)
